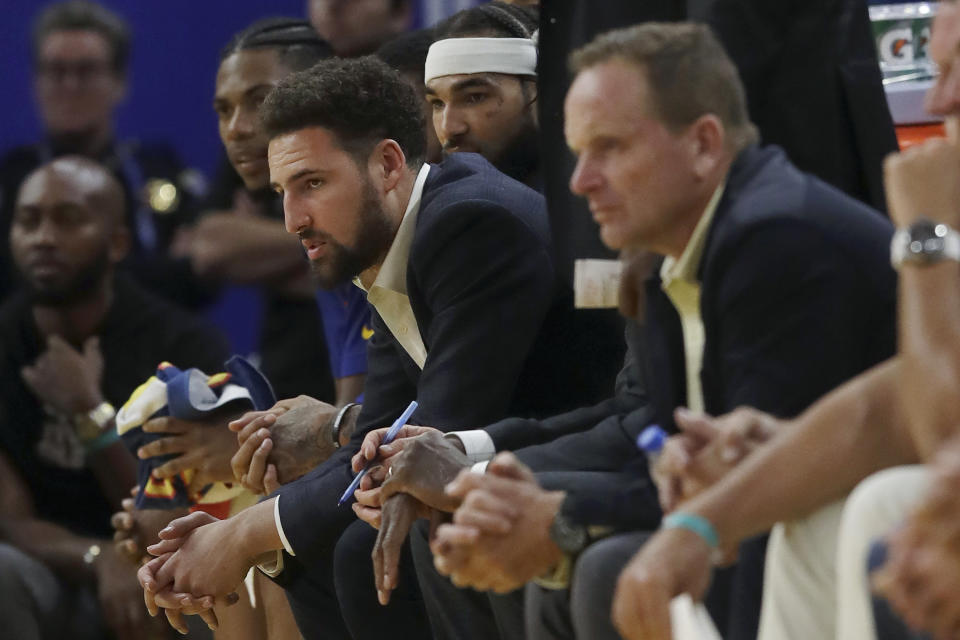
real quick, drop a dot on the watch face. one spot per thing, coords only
(926, 238)
(86, 428)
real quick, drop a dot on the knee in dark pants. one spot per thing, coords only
(404, 616)
(594, 582)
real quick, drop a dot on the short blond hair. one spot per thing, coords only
(687, 70)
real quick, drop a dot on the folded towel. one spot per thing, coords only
(189, 395)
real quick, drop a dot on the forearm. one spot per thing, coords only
(930, 347)
(349, 424)
(816, 458)
(259, 256)
(116, 471)
(257, 530)
(349, 388)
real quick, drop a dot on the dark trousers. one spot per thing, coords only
(35, 604)
(331, 588)
(583, 610)
(462, 614)
(365, 617)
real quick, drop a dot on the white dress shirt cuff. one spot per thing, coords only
(276, 519)
(477, 444)
(480, 467)
(275, 567)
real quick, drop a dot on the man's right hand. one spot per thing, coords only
(136, 529)
(672, 562)
(293, 442)
(706, 449)
(423, 466)
(370, 447)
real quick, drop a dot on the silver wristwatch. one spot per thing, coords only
(569, 536)
(90, 425)
(924, 242)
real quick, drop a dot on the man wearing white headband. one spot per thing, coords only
(481, 83)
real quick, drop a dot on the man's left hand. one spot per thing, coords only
(207, 560)
(502, 526)
(922, 182)
(66, 379)
(396, 518)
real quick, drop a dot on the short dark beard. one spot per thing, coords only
(81, 287)
(343, 263)
(522, 158)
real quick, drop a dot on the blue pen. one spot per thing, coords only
(387, 439)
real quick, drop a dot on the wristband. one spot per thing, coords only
(692, 522)
(102, 441)
(337, 421)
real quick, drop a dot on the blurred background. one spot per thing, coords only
(176, 45)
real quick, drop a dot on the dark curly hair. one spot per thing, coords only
(295, 41)
(492, 20)
(360, 100)
(407, 53)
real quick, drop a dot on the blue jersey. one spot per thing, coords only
(346, 325)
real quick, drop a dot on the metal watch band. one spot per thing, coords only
(924, 242)
(91, 424)
(338, 422)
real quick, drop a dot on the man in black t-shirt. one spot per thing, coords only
(80, 63)
(73, 344)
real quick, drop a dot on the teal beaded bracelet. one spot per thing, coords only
(692, 522)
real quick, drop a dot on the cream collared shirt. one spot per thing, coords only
(679, 281)
(388, 293)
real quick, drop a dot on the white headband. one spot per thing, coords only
(453, 56)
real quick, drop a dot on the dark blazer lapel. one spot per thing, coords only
(664, 362)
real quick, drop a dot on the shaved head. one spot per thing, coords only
(83, 178)
(68, 230)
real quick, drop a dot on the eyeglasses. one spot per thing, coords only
(83, 71)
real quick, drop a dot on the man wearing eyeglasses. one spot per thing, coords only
(80, 53)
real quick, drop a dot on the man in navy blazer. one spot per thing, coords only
(469, 317)
(775, 287)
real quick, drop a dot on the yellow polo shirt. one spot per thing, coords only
(679, 282)
(388, 293)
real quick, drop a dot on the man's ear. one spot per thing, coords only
(530, 90)
(387, 164)
(708, 144)
(530, 95)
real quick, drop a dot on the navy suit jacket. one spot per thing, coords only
(797, 296)
(493, 316)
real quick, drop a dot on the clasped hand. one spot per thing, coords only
(195, 568)
(281, 444)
